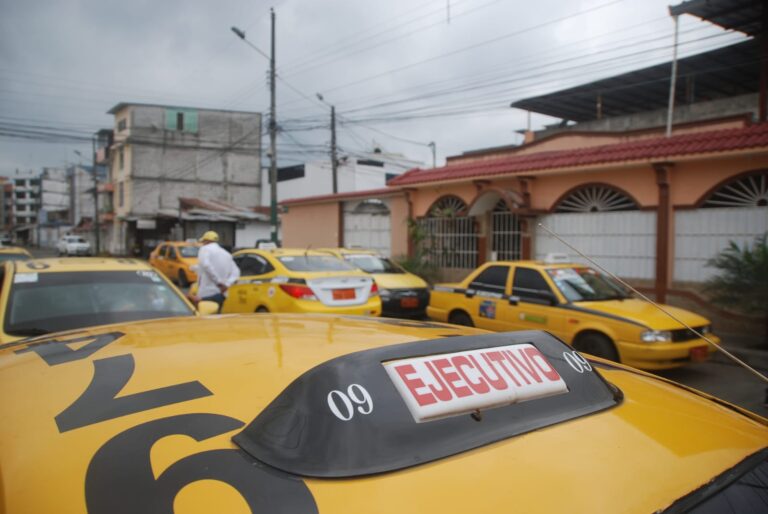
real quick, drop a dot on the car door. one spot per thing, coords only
(532, 306)
(486, 297)
(251, 290)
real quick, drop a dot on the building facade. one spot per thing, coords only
(163, 153)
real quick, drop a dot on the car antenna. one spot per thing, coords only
(641, 295)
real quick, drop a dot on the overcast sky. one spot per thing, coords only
(401, 73)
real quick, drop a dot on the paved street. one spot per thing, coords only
(724, 380)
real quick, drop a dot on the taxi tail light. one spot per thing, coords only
(300, 292)
(374, 289)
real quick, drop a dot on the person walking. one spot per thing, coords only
(217, 270)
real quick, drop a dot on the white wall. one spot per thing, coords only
(247, 236)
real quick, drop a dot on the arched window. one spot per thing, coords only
(596, 198)
(447, 237)
(747, 191)
(372, 206)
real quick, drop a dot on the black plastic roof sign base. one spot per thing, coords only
(347, 418)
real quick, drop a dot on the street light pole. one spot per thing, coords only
(334, 159)
(272, 127)
(272, 138)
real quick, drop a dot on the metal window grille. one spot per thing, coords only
(450, 242)
(505, 236)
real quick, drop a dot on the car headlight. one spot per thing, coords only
(656, 336)
(706, 329)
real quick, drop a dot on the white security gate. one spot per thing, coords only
(450, 242)
(623, 242)
(367, 225)
(701, 234)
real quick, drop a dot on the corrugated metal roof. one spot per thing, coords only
(644, 150)
(741, 15)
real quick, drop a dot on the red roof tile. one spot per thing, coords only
(654, 149)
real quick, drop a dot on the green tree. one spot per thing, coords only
(742, 282)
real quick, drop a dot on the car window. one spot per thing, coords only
(189, 251)
(584, 284)
(13, 257)
(48, 302)
(529, 285)
(373, 263)
(172, 252)
(253, 264)
(314, 263)
(492, 279)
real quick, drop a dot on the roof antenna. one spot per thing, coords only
(641, 295)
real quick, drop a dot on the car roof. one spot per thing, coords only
(350, 251)
(14, 249)
(285, 252)
(79, 264)
(542, 264)
(225, 371)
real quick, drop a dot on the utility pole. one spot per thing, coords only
(272, 138)
(433, 146)
(334, 161)
(96, 228)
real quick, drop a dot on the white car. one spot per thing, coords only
(73, 245)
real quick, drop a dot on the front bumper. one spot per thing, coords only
(405, 302)
(653, 356)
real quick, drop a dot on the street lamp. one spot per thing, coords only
(272, 127)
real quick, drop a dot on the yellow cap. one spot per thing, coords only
(210, 236)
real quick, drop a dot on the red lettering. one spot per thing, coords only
(544, 366)
(526, 365)
(459, 362)
(497, 383)
(499, 358)
(413, 384)
(443, 394)
(444, 367)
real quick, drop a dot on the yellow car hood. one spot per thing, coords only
(645, 313)
(130, 414)
(398, 281)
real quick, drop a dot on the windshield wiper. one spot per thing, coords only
(34, 331)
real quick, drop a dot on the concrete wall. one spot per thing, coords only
(316, 225)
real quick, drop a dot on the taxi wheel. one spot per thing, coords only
(597, 345)
(262, 309)
(461, 318)
(183, 280)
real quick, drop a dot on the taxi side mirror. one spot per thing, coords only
(206, 308)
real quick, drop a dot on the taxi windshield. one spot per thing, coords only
(4, 257)
(586, 285)
(373, 263)
(314, 263)
(189, 251)
(40, 303)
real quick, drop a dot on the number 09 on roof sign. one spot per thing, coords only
(439, 386)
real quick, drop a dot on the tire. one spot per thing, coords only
(597, 345)
(460, 318)
(262, 310)
(183, 280)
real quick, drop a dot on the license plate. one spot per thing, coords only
(699, 354)
(343, 294)
(409, 303)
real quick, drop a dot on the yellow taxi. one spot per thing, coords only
(296, 280)
(295, 414)
(14, 253)
(577, 304)
(177, 260)
(42, 296)
(403, 294)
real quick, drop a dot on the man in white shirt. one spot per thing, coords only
(216, 272)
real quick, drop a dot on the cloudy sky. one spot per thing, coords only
(401, 73)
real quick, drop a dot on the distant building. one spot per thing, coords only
(54, 206)
(163, 153)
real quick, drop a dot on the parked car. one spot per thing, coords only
(177, 260)
(295, 414)
(579, 305)
(403, 294)
(14, 253)
(295, 280)
(73, 245)
(42, 296)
